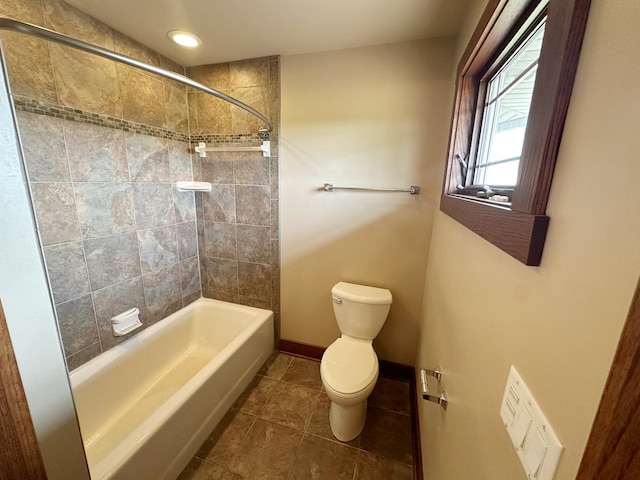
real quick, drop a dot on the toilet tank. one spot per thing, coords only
(360, 310)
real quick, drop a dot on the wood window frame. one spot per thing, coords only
(520, 229)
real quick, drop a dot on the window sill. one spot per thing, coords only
(521, 235)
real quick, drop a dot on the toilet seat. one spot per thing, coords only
(349, 367)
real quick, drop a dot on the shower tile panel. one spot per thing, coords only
(180, 165)
(116, 299)
(83, 356)
(222, 275)
(129, 47)
(185, 205)
(254, 244)
(142, 96)
(44, 149)
(249, 73)
(67, 271)
(27, 11)
(253, 205)
(217, 167)
(96, 154)
(274, 176)
(254, 280)
(219, 205)
(55, 209)
(148, 158)
(112, 259)
(84, 81)
(220, 240)
(77, 323)
(214, 76)
(29, 66)
(255, 97)
(254, 302)
(214, 115)
(175, 109)
(153, 204)
(158, 248)
(162, 292)
(189, 277)
(104, 208)
(251, 168)
(275, 219)
(65, 19)
(187, 240)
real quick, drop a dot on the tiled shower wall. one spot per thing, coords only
(104, 144)
(238, 230)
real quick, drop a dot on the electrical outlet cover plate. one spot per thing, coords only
(533, 438)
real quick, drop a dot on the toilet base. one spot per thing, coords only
(347, 421)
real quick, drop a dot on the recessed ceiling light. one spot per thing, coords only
(185, 39)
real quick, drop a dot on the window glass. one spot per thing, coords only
(506, 111)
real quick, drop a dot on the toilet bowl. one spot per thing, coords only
(349, 366)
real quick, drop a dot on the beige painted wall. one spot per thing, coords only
(371, 117)
(559, 324)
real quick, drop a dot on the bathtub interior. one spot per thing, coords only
(119, 390)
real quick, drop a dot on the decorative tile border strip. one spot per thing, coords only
(241, 139)
(26, 104)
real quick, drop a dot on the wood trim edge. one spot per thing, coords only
(20, 457)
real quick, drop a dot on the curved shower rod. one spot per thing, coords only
(29, 29)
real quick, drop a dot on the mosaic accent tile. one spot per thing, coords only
(77, 322)
(254, 280)
(220, 240)
(116, 299)
(187, 240)
(153, 204)
(44, 149)
(67, 271)
(162, 292)
(254, 244)
(104, 208)
(148, 158)
(253, 205)
(52, 109)
(112, 259)
(96, 154)
(158, 248)
(55, 210)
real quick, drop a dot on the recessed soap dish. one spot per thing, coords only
(126, 322)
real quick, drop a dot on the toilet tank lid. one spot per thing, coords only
(362, 293)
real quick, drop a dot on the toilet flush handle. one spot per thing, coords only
(337, 300)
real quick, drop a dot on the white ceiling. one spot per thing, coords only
(240, 29)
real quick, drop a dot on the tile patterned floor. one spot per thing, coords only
(279, 430)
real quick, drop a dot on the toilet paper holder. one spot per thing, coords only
(441, 399)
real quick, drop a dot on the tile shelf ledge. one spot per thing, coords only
(193, 186)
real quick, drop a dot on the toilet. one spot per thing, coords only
(349, 366)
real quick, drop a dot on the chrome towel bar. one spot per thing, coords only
(413, 190)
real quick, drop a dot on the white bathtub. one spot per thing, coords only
(146, 405)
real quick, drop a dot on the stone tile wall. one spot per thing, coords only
(238, 230)
(103, 145)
